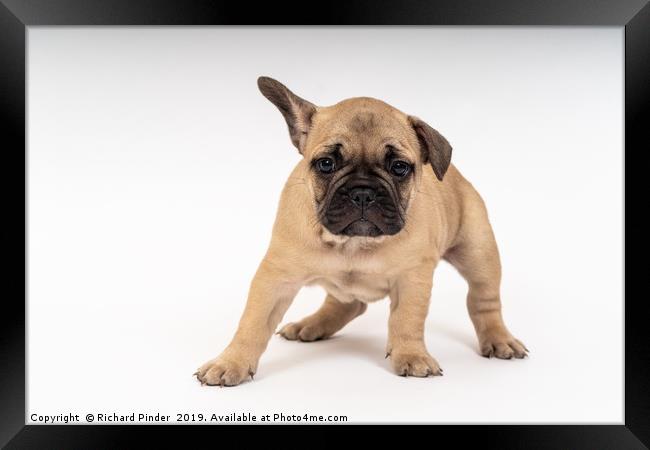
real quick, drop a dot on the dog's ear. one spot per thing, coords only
(435, 148)
(296, 111)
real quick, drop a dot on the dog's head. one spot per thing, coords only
(364, 157)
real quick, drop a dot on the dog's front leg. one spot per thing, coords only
(270, 295)
(409, 305)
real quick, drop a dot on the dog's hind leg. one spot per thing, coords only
(476, 257)
(330, 318)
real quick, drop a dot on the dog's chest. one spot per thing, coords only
(353, 269)
(350, 286)
(355, 281)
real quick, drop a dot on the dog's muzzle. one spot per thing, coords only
(362, 209)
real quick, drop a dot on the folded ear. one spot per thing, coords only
(296, 111)
(435, 148)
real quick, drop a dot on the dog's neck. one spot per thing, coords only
(350, 244)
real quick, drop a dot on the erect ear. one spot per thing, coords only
(435, 148)
(296, 111)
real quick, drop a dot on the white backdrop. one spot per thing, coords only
(154, 171)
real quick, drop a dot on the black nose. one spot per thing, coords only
(362, 197)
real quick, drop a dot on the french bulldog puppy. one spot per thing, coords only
(367, 213)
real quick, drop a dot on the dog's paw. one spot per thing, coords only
(224, 372)
(502, 345)
(414, 364)
(304, 331)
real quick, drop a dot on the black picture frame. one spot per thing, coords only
(16, 15)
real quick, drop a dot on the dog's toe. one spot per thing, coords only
(223, 372)
(290, 331)
(503, 346)
(414, 364)
(303, 332)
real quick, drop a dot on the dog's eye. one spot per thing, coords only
(399, 168)
(325, 165)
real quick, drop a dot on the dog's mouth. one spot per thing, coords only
(372, 223)
(362, 227)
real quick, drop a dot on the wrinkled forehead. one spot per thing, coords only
(364, 127)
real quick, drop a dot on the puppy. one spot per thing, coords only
(368, 212)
